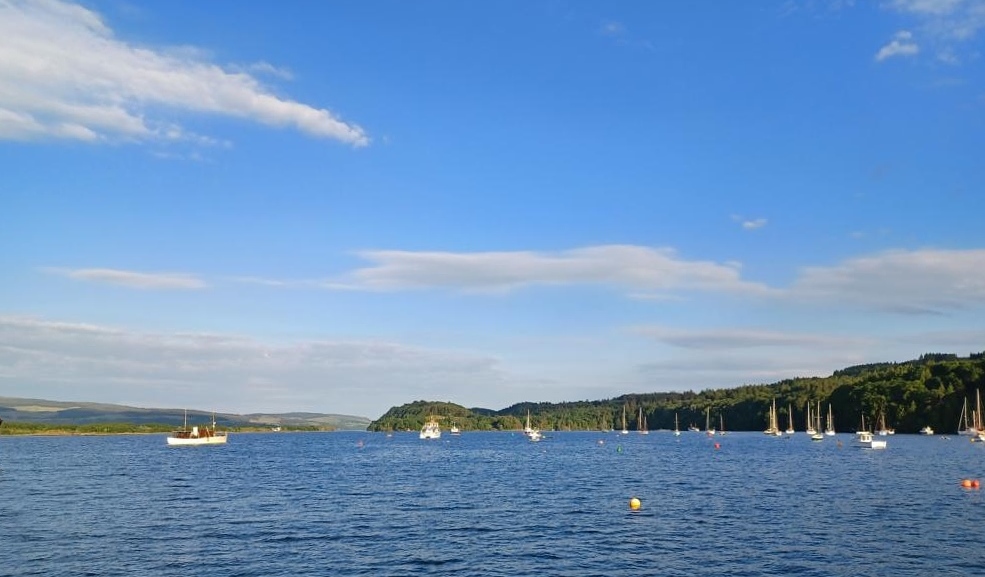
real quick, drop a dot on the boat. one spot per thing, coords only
(830, 429)
(818, 435)
(641, 423)
(790, 430)
(532, 433)
(883, 430)
(677, 427)
(721, 425)
(454, 430)
(810, 430)
(927, 430)
(624, 431)
(431, 429)
(866, 440)
(693, 428)
(708, 428)
(197, 435)
(773, 428)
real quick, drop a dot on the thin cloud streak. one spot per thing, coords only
(89, 86)
(131, 279)
(614, 265)
(902, 44)
(725, 338)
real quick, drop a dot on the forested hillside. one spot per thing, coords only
(930, 390)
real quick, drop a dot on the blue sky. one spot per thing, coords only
(345, 206)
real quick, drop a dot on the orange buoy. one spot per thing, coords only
(718, 446)
(975, 484)
(634, 504)
(966, 483)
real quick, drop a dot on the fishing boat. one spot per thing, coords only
(677, 427)
(186, 437)
(431, 429)
(641, 423)
(865, 439)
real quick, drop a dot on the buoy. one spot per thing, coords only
(718, 446)
(966, 483)
(634, 504)
(975, 484)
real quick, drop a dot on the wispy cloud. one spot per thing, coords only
(731, 338)
(626, 266)
(131, 279)
(902, 44)
(944, 23)
(621, 35)
(918, 282)
(230, 372)
(749, 223)
(64, 75)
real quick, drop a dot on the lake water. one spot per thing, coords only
(284, 504)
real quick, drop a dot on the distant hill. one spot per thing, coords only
(74, 413)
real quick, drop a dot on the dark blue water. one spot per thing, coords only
(489, 504)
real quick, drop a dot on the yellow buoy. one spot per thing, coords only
(634, 504)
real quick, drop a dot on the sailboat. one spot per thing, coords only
(708, 428)
(721, 425)
(624, 431)
(883, 430)
(830, 430)
(818, 435)
(774, 427)
(641, 423)
(790, 430)
(197, 436)
(810, 430)
(677, 427)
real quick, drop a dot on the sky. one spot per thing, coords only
(342, 207)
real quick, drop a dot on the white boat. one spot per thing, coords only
(927, 430)
(818, 435)
(708, 428)
(641, 423)
(790, 429)
(431, 429)
(883, 429)
(810, 430)
(677, 427)
(454, 430)
(721, 425)
(624, 431)
(532, 433)
(867, 441)
(830, 430)
(774, 427)
(197, 435)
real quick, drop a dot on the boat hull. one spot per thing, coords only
(219, 439)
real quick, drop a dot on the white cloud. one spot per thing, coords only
(944, 23)
(754, 224)
(625, 266)
(71, 361)
(131, 279)
(730, 338)
(63, 74)
(902, 44)
(920, 281)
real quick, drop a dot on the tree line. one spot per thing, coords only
(929, 391)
